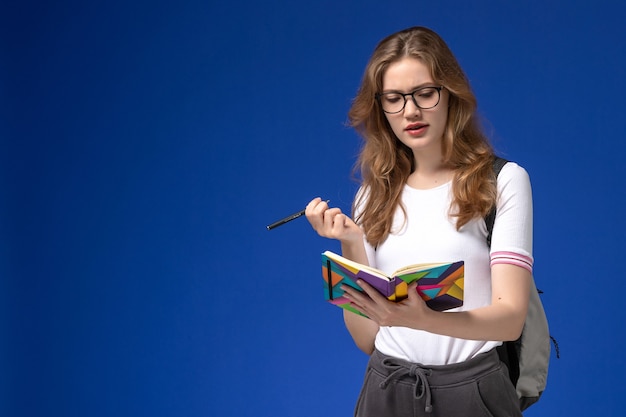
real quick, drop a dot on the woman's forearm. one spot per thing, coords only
(362, 330)
(355, 251)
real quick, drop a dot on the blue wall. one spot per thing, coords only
(146, 145)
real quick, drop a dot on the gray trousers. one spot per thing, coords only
(479, 387)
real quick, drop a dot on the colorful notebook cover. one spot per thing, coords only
(439, 284)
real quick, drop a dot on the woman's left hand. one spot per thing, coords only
(503, 319)
(410, 312)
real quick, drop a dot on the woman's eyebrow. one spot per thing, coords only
(423, 85)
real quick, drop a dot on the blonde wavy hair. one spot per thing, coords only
(385, 163)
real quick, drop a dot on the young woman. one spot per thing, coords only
(427, 184)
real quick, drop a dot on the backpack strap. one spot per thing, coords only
(490, 218)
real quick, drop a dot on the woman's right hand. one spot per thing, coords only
(332, 223)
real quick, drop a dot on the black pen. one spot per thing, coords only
(288, 219)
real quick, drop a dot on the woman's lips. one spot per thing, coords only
(416, 129)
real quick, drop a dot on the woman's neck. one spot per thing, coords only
(429, 173)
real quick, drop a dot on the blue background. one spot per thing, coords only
(146, 145)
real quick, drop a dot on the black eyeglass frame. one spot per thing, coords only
(412, 94)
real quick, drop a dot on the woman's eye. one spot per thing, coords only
(392, 98)
(426, 94)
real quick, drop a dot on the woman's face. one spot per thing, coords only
(419, 129)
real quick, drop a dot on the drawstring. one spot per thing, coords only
(399, 369)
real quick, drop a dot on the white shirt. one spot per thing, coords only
(428, 234)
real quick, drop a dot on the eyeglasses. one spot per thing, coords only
(424, 98)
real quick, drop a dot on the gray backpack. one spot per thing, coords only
(526, 358)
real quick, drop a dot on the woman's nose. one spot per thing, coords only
(410, 107)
